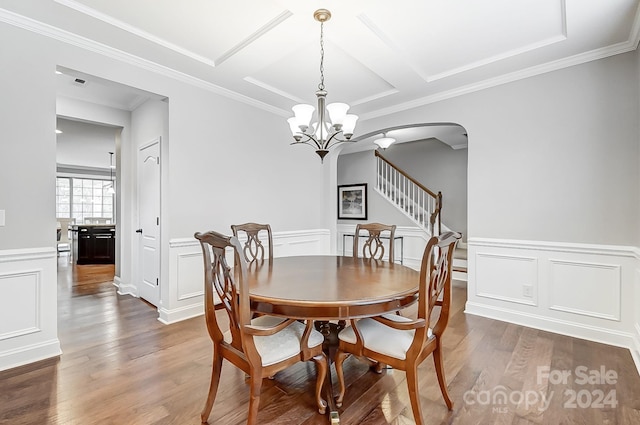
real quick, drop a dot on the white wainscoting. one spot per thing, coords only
(636, 302)
(28, 306)
(585, 291)
(184, 297)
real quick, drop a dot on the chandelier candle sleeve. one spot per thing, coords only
(322, 134)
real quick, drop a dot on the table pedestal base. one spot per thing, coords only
(330, 346)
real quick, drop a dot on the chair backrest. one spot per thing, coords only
(254, 249)
(373, 246)
(228, 283)
(97, 220)
(64, 224)
(435, 279)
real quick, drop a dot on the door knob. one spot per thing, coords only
(139, 231)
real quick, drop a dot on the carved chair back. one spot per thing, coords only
(254, 249)
(374, 246)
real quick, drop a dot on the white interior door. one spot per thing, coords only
(148, 165)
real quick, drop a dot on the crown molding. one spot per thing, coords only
(102, 49)
(72, 4)
(70, 38)
(533, 71)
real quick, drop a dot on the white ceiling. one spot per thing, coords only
(85, 145)
(380, 56)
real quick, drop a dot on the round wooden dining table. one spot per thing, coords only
(327, 288)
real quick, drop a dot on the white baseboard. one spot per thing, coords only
(29, 354)
(572, 329)
(635, 351)
(179, 314)
(125, 288)
(558, 287)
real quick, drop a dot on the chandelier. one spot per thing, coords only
(384, 142)
(322, 134)
(111, 190)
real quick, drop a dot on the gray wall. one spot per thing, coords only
(553, 157)
(224, 167)
(431, 162)
(28, 142)
(360, 167)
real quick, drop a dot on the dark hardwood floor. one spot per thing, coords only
(120, 365)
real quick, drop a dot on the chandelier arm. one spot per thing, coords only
(306, 143)
(334, 140)
(309, 139)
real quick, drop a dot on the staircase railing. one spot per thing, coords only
(419, 203)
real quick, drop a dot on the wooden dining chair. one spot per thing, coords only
(260, 347)
(373, 246)
(253, 247)
(401, 342)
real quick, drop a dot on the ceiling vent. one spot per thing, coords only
(79, 81)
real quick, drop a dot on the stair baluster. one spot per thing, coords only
(417, 202)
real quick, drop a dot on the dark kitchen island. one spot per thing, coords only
(94, 243)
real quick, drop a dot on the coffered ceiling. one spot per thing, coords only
(380, 56)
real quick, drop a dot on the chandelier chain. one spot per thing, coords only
(321, 85)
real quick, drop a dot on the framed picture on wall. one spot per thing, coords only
(352, 201)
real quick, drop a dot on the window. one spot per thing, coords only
(80, 198)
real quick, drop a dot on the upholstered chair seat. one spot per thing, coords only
(282, 345)
(381, 338)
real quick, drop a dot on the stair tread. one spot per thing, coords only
(460, 253)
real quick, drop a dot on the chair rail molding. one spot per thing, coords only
(587, 291)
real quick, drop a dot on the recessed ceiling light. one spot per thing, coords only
(58, 131)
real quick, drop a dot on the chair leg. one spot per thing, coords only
(321, 372)
(213, 387)
(437, 359)
(255, 384)
(340, 358)
(414, 396)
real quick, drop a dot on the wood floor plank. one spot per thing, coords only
(120, 365)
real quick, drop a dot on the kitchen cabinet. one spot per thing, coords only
(94, 243)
